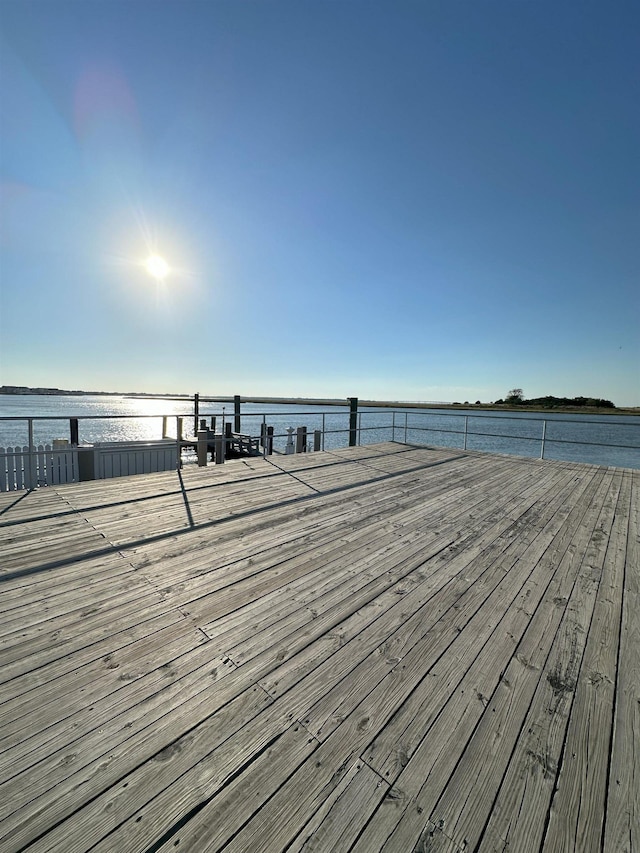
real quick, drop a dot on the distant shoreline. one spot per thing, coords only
(504, 408)
(19, 390)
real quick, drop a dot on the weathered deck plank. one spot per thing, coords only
(622, 830)
(378, 648)
(428, 774)
(466, 804)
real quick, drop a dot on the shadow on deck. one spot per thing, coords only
(382, 648)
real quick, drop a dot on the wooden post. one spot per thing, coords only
(203, 423)
(74, 431)
(236, 413)
(269, 440)
(164, 426)
(220, 444)
(301, 440)
(179, 429)
(196, 411)
(317, 439)
(202, 448)
(213, 423)
(353, 421)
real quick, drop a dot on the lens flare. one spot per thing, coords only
(157, 267)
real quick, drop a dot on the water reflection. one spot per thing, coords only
(127, 419)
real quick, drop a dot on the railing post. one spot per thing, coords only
(74, 431)
(323, 430)
(178, 443)
(196, 412)
(406, 415)
(466, 426)
(544, 436)
(353, 421)
(263, 436)
(236, 413)
(317, 439)
(393, 426)
(31, 484)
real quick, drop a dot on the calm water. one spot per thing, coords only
(517, 433)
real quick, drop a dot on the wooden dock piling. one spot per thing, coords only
(301, 439)
(353, 421)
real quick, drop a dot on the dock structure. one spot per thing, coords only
(383, 648)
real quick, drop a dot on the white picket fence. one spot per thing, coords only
(46, 466)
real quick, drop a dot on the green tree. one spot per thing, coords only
(516, 395)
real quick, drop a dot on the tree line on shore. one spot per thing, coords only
(516, 397)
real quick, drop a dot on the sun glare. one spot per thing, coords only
(157, 267)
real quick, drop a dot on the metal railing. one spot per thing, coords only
(331, 429)
(542, 439)
(454, 429)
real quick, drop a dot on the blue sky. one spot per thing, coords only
(432, 200)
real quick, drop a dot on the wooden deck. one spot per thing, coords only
(383, 648)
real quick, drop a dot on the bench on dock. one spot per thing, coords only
(231, 445)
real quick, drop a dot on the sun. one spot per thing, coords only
(157, 267)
